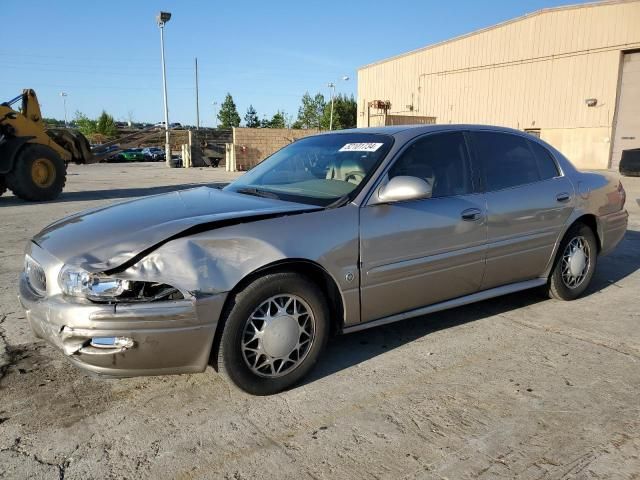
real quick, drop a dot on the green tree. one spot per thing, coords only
(325, 121)
(85, 124)
(344, 113)
(106, 125)
(251, 119)
(347, 109)
(311, 111)
(228, 114)
(277, 121)
(53, 122)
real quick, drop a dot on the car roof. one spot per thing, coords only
(419, 129)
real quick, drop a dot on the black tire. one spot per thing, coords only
(557, 287)
(24, 182)
(231, 363)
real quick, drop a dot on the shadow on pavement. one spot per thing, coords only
(621, 263)
(114, 193)
(349, 350)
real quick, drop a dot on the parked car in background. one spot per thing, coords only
(129, 155)
(336, 232)
(174, 125)
(630, 163)
(154, 154)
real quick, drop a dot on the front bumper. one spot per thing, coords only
(165, 337)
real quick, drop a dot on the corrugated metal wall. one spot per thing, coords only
(531, 72)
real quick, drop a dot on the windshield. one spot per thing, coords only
(317, 170)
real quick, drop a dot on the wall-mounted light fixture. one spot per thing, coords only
(591, 102)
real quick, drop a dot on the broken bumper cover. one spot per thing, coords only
(125, 340)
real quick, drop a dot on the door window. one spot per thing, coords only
(546, 164)
(508, 161)
(439, 159)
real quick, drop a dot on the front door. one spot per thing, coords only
(419, 252)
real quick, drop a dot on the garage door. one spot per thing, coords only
(627, 128)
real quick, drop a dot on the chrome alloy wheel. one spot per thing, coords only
(278, 335)
(576, 260)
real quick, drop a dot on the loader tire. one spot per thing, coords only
(38, 174)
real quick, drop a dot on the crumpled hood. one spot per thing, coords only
(107, 237)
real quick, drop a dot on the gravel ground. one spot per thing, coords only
(515, 387)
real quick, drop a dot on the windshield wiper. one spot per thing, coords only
(340, 202)
(257, 192)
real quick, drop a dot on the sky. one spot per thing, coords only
(106, 54)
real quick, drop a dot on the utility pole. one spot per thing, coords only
(162, 18)
(332, 86)
(64, 102)
(197, 99)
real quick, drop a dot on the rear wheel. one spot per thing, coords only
(38, 174)
(274, 332)
(575, 263)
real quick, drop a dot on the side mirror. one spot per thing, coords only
(404, 188)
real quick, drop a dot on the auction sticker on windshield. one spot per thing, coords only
(361, 147)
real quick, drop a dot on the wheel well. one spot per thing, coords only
(314, 272)
(9, 151)
(309, 269)
(591, 222)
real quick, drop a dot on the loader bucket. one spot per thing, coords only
(74, 142)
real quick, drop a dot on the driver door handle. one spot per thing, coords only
(471, 214)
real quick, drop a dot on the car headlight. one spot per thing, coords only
(76, 282)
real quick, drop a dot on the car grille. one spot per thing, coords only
(35, 275)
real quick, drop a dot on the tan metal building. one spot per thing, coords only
(570, 75)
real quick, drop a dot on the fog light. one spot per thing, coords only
(112, 342)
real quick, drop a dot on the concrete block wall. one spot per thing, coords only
(252, 145)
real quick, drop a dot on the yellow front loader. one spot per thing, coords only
(33, 158)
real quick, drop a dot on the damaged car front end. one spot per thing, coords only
(117, 327)
(100, 287)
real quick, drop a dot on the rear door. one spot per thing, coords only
(528, 203)
(419, 252)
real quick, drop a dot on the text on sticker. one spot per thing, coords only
(360, 147)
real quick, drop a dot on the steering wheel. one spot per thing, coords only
(354, 177)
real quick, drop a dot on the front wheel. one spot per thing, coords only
(38, 173)
(274, 332)
(575, 263)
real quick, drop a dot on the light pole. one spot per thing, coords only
(162, 18)
(64, 102)
(215, 115)
(197, 99)
(332, 86)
